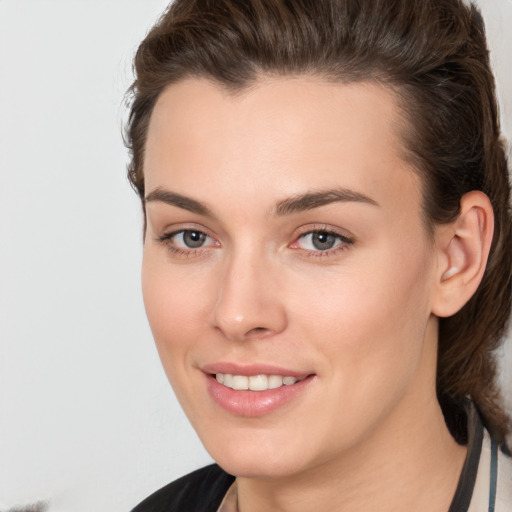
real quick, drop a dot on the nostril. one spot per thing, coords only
(256, 330)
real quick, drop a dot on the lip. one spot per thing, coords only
(254, 403)
(253, 369)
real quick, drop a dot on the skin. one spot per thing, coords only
(367, 433)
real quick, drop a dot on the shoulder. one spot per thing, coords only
(200, 491)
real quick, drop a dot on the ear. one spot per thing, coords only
(463, 248)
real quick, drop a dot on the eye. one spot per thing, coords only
(319, 241)
(189, 239)
(322, 241)
(186, 241)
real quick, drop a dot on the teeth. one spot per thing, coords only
(240, 382)
(275, 381)
(254, 382)
(258, 383)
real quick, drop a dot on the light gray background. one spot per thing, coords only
(87, 419)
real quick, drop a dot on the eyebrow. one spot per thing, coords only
(312, 200)
(288, 206)
(174, 199)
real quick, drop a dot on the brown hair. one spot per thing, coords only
(433, 54)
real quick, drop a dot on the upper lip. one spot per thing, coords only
(252, 369)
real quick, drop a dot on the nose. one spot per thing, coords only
(249, 300)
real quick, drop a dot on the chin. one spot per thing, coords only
(257, 467)
(251, 455)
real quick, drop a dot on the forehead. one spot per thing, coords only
(279, 136)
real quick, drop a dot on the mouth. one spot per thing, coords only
(258, 390)
(261, 382)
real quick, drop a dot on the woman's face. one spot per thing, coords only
(285, 242)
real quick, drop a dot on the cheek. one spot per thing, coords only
(176, 302)
(369, 327)
(370, 317)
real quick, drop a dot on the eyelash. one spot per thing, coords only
(167, 240)
(343, 242)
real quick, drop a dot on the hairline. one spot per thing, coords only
(400, 91)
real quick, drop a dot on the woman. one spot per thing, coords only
(327, 252)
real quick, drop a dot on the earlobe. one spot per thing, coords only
(463, 247)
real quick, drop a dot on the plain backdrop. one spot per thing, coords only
(87, 419)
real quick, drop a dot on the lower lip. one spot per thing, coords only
(255, 403)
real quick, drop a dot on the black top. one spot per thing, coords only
(204, 489)
(200, 491)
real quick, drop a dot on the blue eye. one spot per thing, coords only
(190, 239)
(187, 240)
(321, 241)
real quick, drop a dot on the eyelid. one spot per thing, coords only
(346, 238)
(327, 228)
(166, 239)
(173, 229)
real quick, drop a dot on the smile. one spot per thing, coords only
(256, 393)
(255, 382)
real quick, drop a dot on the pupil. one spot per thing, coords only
(193, 239)
(323, 241)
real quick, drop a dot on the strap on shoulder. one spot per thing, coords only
(494, 475)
